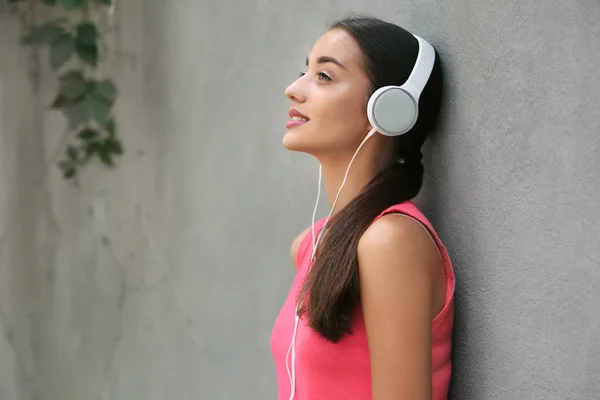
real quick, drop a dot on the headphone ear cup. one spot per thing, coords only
(392, 110)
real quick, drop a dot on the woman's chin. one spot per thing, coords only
(293, 142)
(305, 144)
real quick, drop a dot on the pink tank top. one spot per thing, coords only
(341, 371)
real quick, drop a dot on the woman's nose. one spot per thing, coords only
(295, 92)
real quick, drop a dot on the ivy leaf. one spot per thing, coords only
(61, 50)
(113, 146)
(49, 2)
(92, 147)
(78, 113)
(69, 172)
(64, 164)
(87, 34)
(68, 168)
(98, 107)
(72, 75)
(104, 2)
(88, 54)
(59, 102)
(111, 127)
(44, 34)
(72, 4)
(88, 134)
(68, 4)
(105, 156)
(90, 86)
(73, 153)
(86, 43)
(85, 109)
(106, 90)
(99, 110)
(72, 85)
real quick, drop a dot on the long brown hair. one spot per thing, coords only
(331, 289)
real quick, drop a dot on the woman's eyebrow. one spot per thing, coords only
(327, 59)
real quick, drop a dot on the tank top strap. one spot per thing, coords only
(410, 209)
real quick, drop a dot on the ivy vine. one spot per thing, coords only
(73, 43)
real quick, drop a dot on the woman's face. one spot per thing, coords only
(328, 114)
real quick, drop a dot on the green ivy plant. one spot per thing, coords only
(73, 42)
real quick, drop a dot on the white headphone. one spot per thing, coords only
(392, 111)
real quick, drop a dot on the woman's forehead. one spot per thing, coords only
(339, 44)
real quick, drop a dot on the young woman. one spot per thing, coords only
(370, 313)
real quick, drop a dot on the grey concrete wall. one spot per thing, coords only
(161, 279)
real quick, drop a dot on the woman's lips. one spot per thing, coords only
(293, 123)
(296, 119)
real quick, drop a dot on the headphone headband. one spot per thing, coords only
(422, 70)
(393, 110)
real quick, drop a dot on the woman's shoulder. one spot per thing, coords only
(394, 229)
(397, 252)
(401, 237)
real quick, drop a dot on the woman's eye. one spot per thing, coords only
(324, 76)
(320, 76)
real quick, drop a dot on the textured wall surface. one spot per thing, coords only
(161, 279)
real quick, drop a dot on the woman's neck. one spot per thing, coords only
(361, 172)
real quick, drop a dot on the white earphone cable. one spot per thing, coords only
(371, 132)
(315, 209)
(292, 348)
